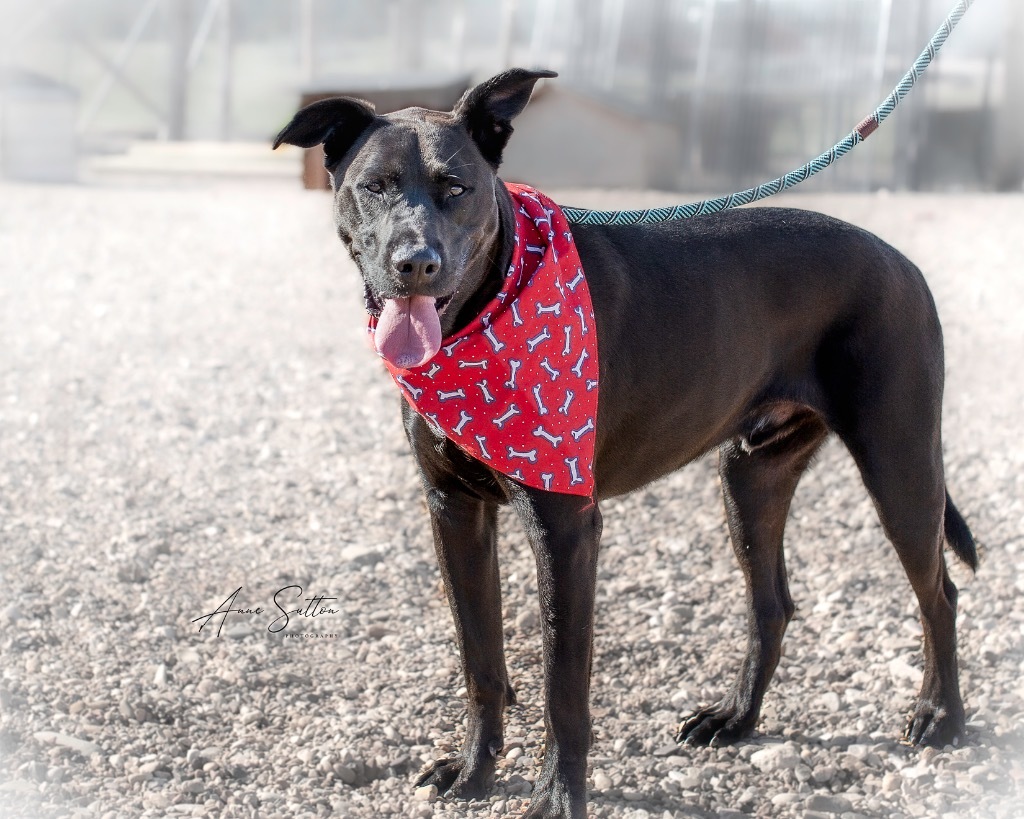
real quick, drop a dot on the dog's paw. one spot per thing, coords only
(932, 724)
(453, 777)
(552, 799)
(716, 725)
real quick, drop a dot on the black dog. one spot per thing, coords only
(757, 331)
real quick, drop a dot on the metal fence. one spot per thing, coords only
(749, 87)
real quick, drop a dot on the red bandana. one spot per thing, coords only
(517, 388)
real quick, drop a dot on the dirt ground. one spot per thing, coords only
(188, 407)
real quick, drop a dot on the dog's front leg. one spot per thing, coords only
(465, 534)
(565, 533)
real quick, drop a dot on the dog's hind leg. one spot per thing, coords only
(465, 539)
(898, 449)
(759, 475)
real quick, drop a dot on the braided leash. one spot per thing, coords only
(583, 216)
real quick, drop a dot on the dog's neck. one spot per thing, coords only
(489, 263)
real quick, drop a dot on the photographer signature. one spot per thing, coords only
(315, 606)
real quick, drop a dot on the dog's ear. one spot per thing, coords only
(336, 122)
(487, 111)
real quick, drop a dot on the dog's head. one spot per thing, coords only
(416, 202)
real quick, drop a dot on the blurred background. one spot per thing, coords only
(699, 95)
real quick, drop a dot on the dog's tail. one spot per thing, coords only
(958, 535)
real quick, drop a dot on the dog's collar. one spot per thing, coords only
(517, 388)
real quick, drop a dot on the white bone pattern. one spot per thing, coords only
(482, 443)
(550, 370)
(536, 397)
(507, 416)
(464, 418)
(554, 440)
(488, 398)
(415, 393)
(514, 364)
(449, 349)
(538, 339)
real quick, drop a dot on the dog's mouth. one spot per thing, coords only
(374, 303)
(408, 330)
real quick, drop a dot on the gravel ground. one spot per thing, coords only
(187, 406)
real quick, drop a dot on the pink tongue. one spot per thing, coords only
(408, 331)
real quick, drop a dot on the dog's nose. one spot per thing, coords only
(417, 265)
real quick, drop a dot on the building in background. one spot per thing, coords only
(704, 95)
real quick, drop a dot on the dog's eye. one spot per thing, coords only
(374, 187)
(456, 190)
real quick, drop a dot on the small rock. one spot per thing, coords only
(689, 780)
(674, 619)
(775, 758)
(83, 746)
(828, 803)
(916, 772)
(428, 793)
(900, 669)
(602, 782)
(156, 801)
(358, 556)
(193, 786)
(527, 619)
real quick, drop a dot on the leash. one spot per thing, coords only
(867, 126)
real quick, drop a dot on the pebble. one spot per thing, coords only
(427, 793)
(83, 746)
(827, 803)
(527, 620)
(686, 779)
(775, 757)
(359, 556)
